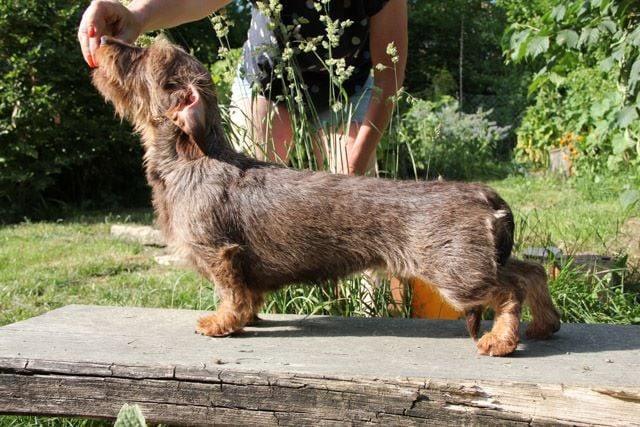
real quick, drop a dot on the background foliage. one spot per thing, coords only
(570, 80)
(587, 56)
(60, 145)
(447, 142)
(59, 141)
(454, 50)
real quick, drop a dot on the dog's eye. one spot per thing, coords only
(170, 86)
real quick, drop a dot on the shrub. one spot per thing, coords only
(59, 141)
(588, 57)
(576, 111)
(445, 141)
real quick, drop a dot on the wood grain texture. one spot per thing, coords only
(288, 370)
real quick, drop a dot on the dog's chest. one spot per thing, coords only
(193, 213)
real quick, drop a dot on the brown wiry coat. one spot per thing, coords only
(253, 227)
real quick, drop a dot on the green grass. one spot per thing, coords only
(8, 421)
(50, 264)
(578, 215)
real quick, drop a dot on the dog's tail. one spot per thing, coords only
(504, 226)
(531, 278)
(503, 229)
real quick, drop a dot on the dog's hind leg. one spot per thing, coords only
(473, 315)
(519, 282)
(532, 279)
(238, 304)
(258, 300)
(503, 338)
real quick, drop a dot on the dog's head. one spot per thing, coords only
(167, 94)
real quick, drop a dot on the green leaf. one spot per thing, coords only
(537, 46)
(540, 78)
(621, 143)
(594, 36)
(604, 5)
(618, 53)
(607, 25)
(626, 116)
(568, 38)
(634, 75)
(629, 198)
(599, 109)
(557, 79)
(634, 37)
(613, 163)
(558, 13)
(589, 36)
(607, 63)
(584, 35)
(518, 43)
(130, 416)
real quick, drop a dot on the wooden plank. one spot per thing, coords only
(88, 361)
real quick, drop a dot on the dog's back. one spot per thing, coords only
(300, 226)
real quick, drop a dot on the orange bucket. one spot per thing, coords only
(427, 303)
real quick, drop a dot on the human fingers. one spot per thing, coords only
(83, 39)
(87, 32)
(101, 18)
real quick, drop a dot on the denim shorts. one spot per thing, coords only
(355, 109)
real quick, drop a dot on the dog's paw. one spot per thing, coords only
(492, 345)
(540, 331)
(217, 326)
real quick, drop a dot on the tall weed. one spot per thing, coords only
(603, 297)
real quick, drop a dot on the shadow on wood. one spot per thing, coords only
(88, 361)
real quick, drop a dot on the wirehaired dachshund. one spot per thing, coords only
(252, 227)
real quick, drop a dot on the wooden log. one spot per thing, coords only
(86, 361)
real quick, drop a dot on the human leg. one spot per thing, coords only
(337, 144)
(264, 127)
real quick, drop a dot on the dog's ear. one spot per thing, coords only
(190, 116)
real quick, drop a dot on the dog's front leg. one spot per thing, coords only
(503, 338)
(238, 304)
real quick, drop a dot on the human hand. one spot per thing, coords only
(105, 18)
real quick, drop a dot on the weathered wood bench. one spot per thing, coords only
(85, 361)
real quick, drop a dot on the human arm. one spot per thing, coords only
(387, 26)
(111, 18)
